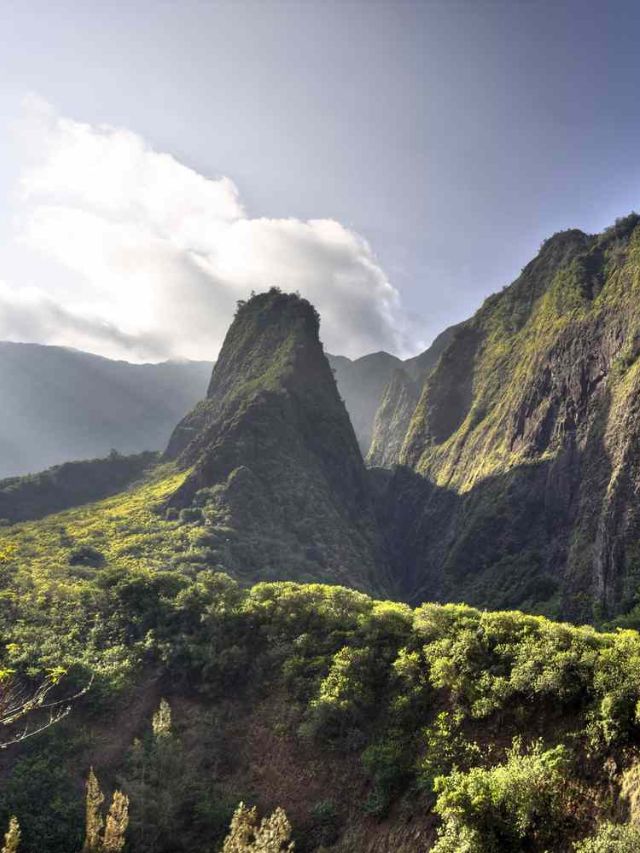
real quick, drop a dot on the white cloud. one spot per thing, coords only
(158, 254)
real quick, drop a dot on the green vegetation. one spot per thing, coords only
(424, 704)
(519, 803)
(271, 835)
(68, 485)
(276, 477)
(612, 838)
(442, 727)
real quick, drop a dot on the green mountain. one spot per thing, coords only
(61, 405)
(275, 475)
(398, 400)
(519, 467)
(392, 419)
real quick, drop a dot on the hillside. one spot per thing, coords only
(519, 476)
(70, 485)
(375, 726)
(61, 405)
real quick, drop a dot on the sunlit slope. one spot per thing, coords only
(129, 530)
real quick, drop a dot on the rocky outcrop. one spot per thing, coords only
(276, 480)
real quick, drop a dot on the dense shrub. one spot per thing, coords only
(512, 806)
(611, 838)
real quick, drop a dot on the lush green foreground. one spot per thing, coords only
(489, 731)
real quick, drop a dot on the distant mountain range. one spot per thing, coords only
(62, 405)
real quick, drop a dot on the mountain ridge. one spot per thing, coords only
(522, 441)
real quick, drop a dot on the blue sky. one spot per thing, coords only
(452, 136)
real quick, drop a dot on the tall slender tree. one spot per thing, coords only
(12, 837)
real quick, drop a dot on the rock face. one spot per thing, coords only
(392, 420)
(520, 467)
(277, 484)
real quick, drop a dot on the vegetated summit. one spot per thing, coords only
(274, 466)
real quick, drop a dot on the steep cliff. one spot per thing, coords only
(521, 464)
(276, 478)
(392, 420)
(398, 401)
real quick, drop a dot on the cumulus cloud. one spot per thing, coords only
(158, 254)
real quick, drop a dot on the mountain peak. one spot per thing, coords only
(276, 477)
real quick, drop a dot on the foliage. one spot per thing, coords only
(12, 837)
(176, 803)
(611, 838)
(104, 836)
(512, 806)
(94, 821)
(68, 485)
(271, 835)
(409, 695)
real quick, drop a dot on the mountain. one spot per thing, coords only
(398, 400)
(361, 383)
(392, 419)
(61, 405)
(418, 367)
(520, 468)
(366, 383)
(275, 473)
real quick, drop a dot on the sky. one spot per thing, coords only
(395, 162)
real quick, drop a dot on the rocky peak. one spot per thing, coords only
(275, 470)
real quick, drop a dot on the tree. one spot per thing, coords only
(101, 837)
(273, 835)
(32, 707)
(117, 822)
(12, 837)
(94, 822)
(161, 720)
